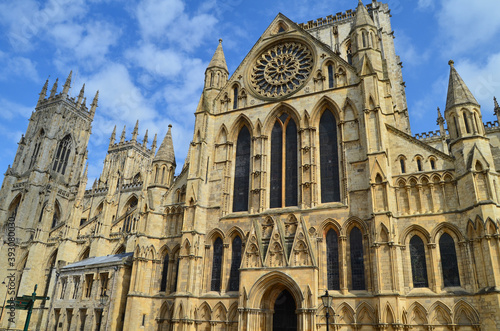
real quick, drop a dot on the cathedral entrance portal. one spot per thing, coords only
(284, 317)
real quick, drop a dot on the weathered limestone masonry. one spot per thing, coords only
(302, 176)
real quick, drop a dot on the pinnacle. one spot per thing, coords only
(218, 60)
(166, 150)
(362, 16)
(458, 92)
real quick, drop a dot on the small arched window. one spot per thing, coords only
(329, 159)
(56, 216)
(456, 126)
(234, 275)
(330, 76)
(332, 260)
(418, 264)
(467, 128)
(216, 265)
(349, 53)
(284, 158)
(164, 274)
(163, 175)
(364, 36)
(402, 164)
(433, 164)
(357, 259)
(242, 171)
(62, 155)
(235, 97)
(419, 164)
(449, 264)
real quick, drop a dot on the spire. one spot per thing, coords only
(93, 105)
(53, 91)
(80, 96)
(136, 131)
(67, 85)
(113, 137)
(362, 17)
(166, 150)
(145, 140)
(122, 137)
(43, 94)
(218, 60)
(458, 92)
(153, 147)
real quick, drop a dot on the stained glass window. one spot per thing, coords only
(242, 171)
(234, 275)
(332, 260)
(449, 263)
(164, 274)
(418, 264)
(216, 265)
(329, 161)
(357, 260)
(62, 155)
(284, 147)
(330, 76)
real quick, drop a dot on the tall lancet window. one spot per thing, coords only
(234, 275)
(235, 97)
(62, 155)
(418, 264)
(164, 274)
(449, 263)
(36, 150)
(329, 158)
(216, 265)
(284, 158)
(357, 260)
(332, 260)
(242, 171)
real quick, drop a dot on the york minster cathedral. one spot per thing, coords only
(303, 182)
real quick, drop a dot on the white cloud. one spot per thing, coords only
(157, 62)
(426, 4)
(467, 24)
(17, 67)
(155, 16)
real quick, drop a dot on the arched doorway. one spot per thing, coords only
(284, 317)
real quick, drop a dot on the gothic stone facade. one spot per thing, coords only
(302, 176)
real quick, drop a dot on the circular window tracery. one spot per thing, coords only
(281, 69)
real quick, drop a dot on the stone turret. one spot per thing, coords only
(216, 74)
(164, 162)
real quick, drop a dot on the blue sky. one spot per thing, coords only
(148, 57)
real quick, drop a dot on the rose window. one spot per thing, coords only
(282, 69)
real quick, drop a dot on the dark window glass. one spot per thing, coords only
(329, 161)
(418, 264)
(332, 260)
(449, 263)
(433, 165)
(419, 165)
(291, 189)
(276, 165)
(402, 163)
(466, 123)
(330, 76)
(216, 265)
(174, 287)
(62, 155)
(357, 260)
(456, 125)
(234, 275)
(242, 171)
(164, 274)
(235, 95)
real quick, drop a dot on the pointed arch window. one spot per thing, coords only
(449, 263)
(330, 76)
(332, 260)
(14, 206)
(242, 171)
(174, 285)
(216, 265)
(62, 155)
(36, 150)
(357, 259)
(164, 274)
(235, 97)
(329, 160)
(56, 216)
(418, 264)
(466, 122)
(419, 164)
(284, 158)
(402, 164)
(234, 275)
